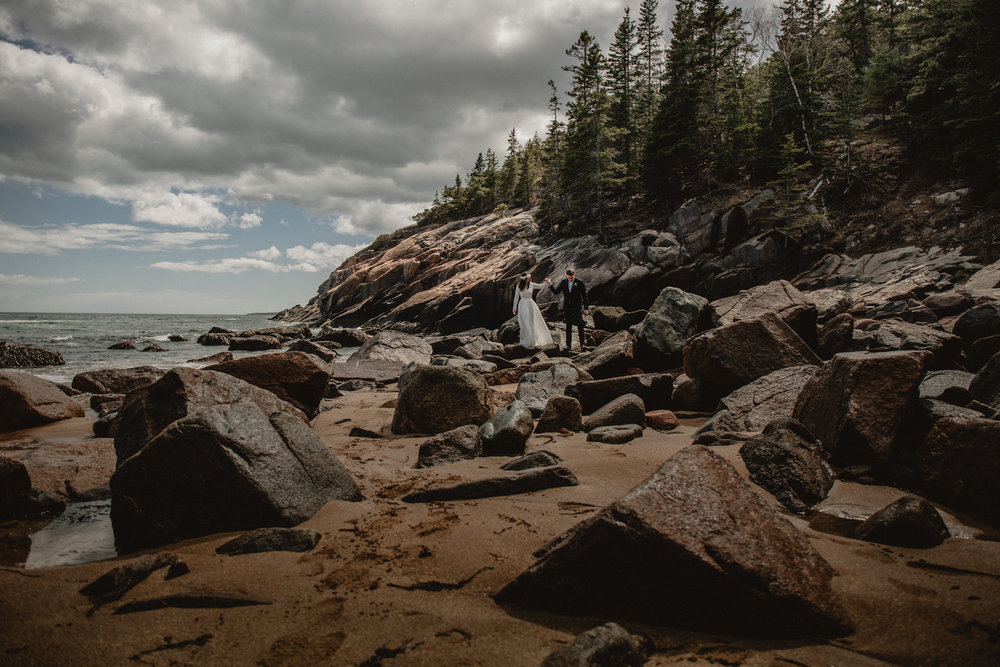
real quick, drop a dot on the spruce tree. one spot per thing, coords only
(590, 167)
(674, 149)
(622, 79)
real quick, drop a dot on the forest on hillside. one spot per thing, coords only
(744, 99)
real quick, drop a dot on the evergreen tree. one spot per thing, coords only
(508, 173)
(674, 151)
(789, 210)
(590, 167)
(952, 108)
(650, 68)
(622, 78)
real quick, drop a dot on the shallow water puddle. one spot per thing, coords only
(81, 534)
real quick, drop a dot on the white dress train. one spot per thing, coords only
(534, 332)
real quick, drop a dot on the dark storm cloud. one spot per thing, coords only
(359, 110)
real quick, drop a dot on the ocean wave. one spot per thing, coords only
(61, 337)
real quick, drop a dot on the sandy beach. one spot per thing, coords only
(396, 583)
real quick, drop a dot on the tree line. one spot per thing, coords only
(740, 97)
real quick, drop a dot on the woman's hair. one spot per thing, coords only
(524, 281)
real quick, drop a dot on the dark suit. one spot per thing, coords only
(574, 303)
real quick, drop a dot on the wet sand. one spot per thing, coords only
(395, 583)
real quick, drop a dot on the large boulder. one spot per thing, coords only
(255, 343)
(692, 546)
(202, 452)
(779, 297)
(507, 432)
(394, 346)
(27, 400)
(626, 409)
(959, 464)
(434, 399)
(297, 377)
(754, 406)
(736, 354)
(671, 320)
(654, 389)
(835, 335)
(613, 357)
(117, 380)
(560, 413)
(535, 388)
(978, 322)
(944, 348)
(790, 463)
(458, 444)
(20, 355)
(985, 385)
(857, 403)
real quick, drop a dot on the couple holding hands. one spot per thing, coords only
(533, 330)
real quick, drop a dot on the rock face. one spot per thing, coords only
(857, 403)
(507, 432)
(18, 355)
(296, 377)
(394, 346)
(202, 452)
(789, 462)
(911, 521)
(536, 388)
(117, 380)
(702, 551)
(27, 400)
(433, 399)
(671, 320)
(735, 355)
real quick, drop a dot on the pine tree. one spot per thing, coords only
(650, 66)
(507, 180)
(952, 109)
(622, 78)
(674, 150)
(587, 145)
(789, 210)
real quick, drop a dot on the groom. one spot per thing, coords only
(574, 300)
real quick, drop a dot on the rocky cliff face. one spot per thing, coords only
(461, 275)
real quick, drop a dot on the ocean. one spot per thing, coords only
(83, 338)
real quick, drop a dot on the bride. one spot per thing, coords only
(534, 332)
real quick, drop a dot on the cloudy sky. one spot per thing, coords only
(223, 156)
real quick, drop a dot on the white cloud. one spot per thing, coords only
(21, 279)
(183, 209)
(269, 254)
(51, 240)
(249, 221)
(321, 255)
(229, 265)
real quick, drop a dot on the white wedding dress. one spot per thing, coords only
(534, 332)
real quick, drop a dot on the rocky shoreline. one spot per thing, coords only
(785, 474)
